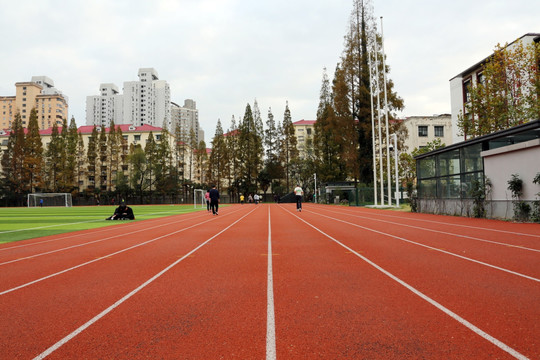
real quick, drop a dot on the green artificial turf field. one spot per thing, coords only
(26, 223)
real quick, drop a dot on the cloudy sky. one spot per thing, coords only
(227, 53)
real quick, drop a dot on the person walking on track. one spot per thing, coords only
(207, 198)
(214, 200)
(298, 192)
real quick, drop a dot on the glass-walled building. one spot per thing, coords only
(446, 176)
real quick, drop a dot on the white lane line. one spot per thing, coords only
(270, 314)
(129, 295)
(447, 311)
(437, 231)
(453, 224)
(100, 258)
(433, 248)
(87, 243)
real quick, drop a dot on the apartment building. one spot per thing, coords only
(102, 109)
(144, 102)
(39, 93)
(304, 131)
(424, 129)
(459, 85)
(187, 117)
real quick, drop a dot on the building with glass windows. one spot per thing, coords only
(447, 176)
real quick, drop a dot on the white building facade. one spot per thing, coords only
(460, 83)
(104, 108)
(187, 117)
(144, 102)
(425, 129)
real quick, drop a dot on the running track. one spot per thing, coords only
(267, 282)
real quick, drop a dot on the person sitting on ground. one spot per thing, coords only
(123, 212)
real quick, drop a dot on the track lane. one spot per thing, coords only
(332, 305)
(55, 263)
(501, 304)
(53, 308)
(522, 261)
(211, 305)
(500, 230)
(328, 303)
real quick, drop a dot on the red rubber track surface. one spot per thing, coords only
(346, 283)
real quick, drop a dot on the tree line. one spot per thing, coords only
(107, 167)
(341, 146)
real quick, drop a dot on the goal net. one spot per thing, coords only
(49, 199)
(198, 198)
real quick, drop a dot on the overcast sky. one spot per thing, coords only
(227, 53)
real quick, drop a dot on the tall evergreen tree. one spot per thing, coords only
(347, 135)
(92, 168)
(13, 162)
(53, 159)
(359, 42)
(71, 158)
(80, 162)
(139, 169)
(103, 159)
(218, 161)
(325, 144)
(250, 151)
(152, 163)
(273, 166)
(233, 150)
(33, 156)
(289, 151)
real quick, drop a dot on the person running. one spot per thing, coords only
(214, 200)
(242, 199)
(298, 192)
(207, 198)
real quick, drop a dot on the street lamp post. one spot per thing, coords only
(396, 168)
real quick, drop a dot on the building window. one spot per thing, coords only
(439, 131)
(137, 137)
(422, 130)
(467, 90)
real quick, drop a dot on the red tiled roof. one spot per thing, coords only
(232, 133)
(305, 122)
(87, 129)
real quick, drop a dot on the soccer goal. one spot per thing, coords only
(198, 198)
(49, 199)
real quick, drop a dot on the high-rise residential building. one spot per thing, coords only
(104, 108)
(39, 93)
(187, 117)
(147, 101)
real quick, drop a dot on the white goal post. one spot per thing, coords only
(198, 198)
(50, 199)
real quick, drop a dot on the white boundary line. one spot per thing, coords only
(436, 231)
(432, 248)
(447, 311)
(453, 224)
(99, 258)
(270, 314)
(63, 341)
